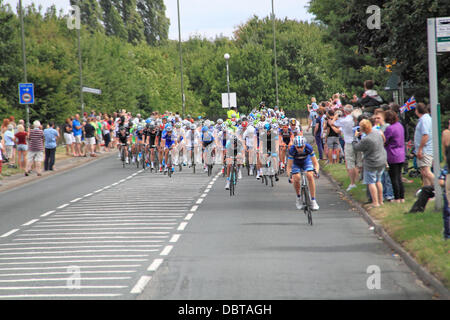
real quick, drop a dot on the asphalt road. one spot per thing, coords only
(104, 232)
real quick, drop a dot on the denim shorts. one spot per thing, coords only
(22, 147)
(372, 176)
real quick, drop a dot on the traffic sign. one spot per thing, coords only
(233, 101)
(443, 34)
(26, 93)
(91, 90)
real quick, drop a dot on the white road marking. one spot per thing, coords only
(87, 195)
(79, 238)
(79, 251)
(9, 233)
(79, 247)
(107, 187)
(65, 267)
(61, 287)
(182, 226)
(166, 250)
(199, 201)
(97, 191)
(63, 206)
(83, 257)
(194, 208)
(41, 229)
(75, 200)
(90, 241)
(207, 190)
(63, 273)
(30, 222)
(47, 213)
(189, 216)
(65, 279)
(75, 261)
(175, 238)
(86, 295)
(155, 265)
(203, 195)
(140, 285)
(115, 184)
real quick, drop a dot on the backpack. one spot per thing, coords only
(424, 195)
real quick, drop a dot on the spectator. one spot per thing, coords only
(8, 137)
(22, 147)
(353, 159)
(2, 152)
(381, 125)
(4, 126)
(98, 133)
(50, 135)
(370, 99)
(318, 132)
(36, 148)
(443, 181)
(106, 128)
(89, 130)
(395, 149)
(77, 131)
(375, 158)
(423, 139)
(67, 130)
(332, 139)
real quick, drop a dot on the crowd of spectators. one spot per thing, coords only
(370, 136)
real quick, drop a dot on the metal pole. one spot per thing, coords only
(24, 58)
(181, 62)
(275, 54)
(228, 85)
(81, 73)
(432, 72)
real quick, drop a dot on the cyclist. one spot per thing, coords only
(269, 140)
(286, 139)
(151, 139)
(302, 158)
(249, 137)
(234, 150)
(122, 137)
(181, 146)
(169, 141)
(192, 141)
(207, 139)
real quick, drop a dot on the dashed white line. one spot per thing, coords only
(175, 238)
(87, 295)
(203, 195)
(189, 216)
(63, 206)
(199, 201)
(75, 200)
(194, 208)
(61, 287)
(88, 195)
(140, 285)
(155, 265)
(47, 213)
(99, 190)
(166, 250)
(9, 233)
(30, 222)
(107, 187)
(182, 226)
(64, 279)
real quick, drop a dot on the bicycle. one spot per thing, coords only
(305, 195)
(169, 164)
(233, 177)
(122, 154)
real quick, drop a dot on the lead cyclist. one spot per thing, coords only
(301, 158)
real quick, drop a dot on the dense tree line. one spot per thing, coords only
(127, 54)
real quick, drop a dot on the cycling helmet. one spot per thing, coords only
(140, 128)
(199, 118)
(274, 120)
(207, 123)
(244, 124)
(169, 128)
(299, 141)
(178, 125)
(205, 128)
(219, 121)
(193, 126)
(293, 122)
(250, 131)
(212, 123)
(267, 126)
(148, 121)
(122, 128)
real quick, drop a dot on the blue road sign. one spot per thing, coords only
(26, 93)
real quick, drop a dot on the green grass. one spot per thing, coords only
(420, 234)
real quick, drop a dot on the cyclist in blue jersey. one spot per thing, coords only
(169, 140)
(208, 146)
(301, 157)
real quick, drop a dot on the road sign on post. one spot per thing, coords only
(26, 93)
(443, 34)
(91, 90)
(233, 100)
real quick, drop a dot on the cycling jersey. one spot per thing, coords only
(139, 135)
(152, 136)
(286, 135)
(302, 160)
(169, 139)
(123, 137)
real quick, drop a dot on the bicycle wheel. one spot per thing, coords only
(123, 157)
(231, 183)
(271, 181)
(307, 205)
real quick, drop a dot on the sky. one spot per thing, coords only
(209, 18)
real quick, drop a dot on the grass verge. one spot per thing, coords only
(420, 234)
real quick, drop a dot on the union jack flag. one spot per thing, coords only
(409, 105)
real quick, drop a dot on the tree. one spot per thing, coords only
(90, 13)
(156, 24)
(112, 21)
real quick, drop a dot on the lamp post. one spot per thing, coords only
(24, 55)
(227, 57)
(181, 62)
(275, 54)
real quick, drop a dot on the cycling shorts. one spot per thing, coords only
(307, 165)
(169, 144)
(207, 143)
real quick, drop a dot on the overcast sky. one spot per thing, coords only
(209, 17)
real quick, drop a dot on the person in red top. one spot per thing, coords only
(22, 146)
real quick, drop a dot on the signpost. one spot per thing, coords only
(233, 101)
(26, 93)
(438, 38)
(91, 90)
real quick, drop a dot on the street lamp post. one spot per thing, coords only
(227, 57)
(275, 54)
(181, 62)
(24, 57)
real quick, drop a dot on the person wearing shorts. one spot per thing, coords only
(36, 149)
(22, 147)
(68, 136)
